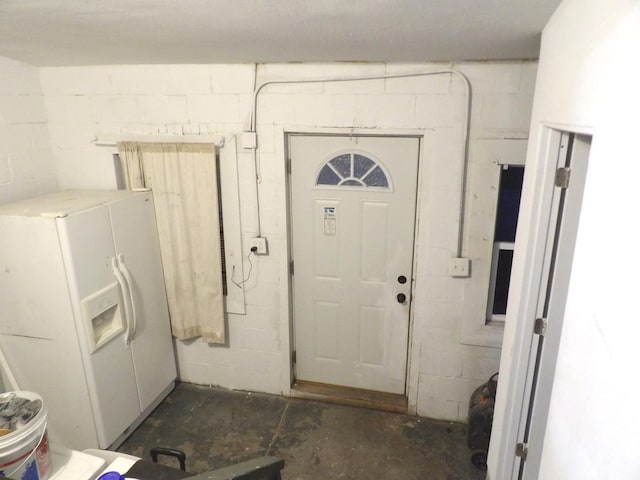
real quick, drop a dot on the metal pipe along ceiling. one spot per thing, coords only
(467, 117)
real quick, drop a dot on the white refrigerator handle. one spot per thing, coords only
(125, 297)
(134, 311)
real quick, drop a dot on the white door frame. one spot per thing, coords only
(560, 276)
(512, 401)
(281, 137)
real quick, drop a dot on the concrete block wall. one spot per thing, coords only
(26, 164)
(88, 103)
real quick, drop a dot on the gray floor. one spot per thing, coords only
(217, 427)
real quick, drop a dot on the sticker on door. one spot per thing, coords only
(330, 221)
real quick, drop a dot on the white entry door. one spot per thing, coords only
(353, 216)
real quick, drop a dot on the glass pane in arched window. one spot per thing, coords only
(328, 177)
(342, 164)
(352, 183)
(376, 178)
(361, 165)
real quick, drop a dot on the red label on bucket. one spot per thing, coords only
(43, 458)
(33, 465)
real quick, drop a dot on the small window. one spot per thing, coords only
(510, 191)
(352, 170)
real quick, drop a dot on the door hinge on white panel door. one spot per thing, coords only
(293, 357)
(291, 267)
(540, 327)
(562, 177)
(521, 450)
(288, 165)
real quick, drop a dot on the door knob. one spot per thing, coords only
(401, 298)
(402, 279)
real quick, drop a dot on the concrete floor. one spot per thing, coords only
(217, 427)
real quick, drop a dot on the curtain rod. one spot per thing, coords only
(112, 140)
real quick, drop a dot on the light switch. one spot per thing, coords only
(249, 140)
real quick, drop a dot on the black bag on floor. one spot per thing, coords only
(481, 407)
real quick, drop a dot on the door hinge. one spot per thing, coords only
(562, 177)
(294, 357)
(288, 165)
(521, 450)
(540, 327)
(291, 267)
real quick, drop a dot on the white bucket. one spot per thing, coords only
(24, 453)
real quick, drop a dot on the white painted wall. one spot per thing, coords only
(85, 103)
(26, 164)
(588, 81)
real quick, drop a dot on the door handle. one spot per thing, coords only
(125, 298)
(401, 297)
(133, 324)
(402, 279)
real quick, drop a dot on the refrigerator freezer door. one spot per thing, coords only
(29, 262)
(136, 240)
(87, 244)
(39, 335)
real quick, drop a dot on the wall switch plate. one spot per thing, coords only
(249, 140)
(459, 267)
(259, 246)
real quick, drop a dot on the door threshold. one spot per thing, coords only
(355, 397)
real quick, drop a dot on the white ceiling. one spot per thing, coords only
(93, 32)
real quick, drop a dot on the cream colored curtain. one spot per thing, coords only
(183, 179)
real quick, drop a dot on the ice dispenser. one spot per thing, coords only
(103, 314)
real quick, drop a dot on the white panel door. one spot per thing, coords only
(353, 216)
(136, 239)
(88, 250)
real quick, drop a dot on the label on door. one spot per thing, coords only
(330, 225)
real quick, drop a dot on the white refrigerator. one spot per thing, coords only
(83, 311)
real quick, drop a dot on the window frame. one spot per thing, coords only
(496, 318)
(497, 248)
(489, 156)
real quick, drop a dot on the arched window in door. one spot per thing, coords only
(353, 170)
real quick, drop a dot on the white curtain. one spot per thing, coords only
(183, 179)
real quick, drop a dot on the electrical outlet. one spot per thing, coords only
(459, 267)
(259, 246)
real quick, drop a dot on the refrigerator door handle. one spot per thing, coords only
(129, 282)
(125, 297)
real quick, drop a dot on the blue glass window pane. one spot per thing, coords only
(503, 277)
(361, 165)
(376, 178)
(509, 203)
(342, 163)
(352, 183)
(327, 177)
